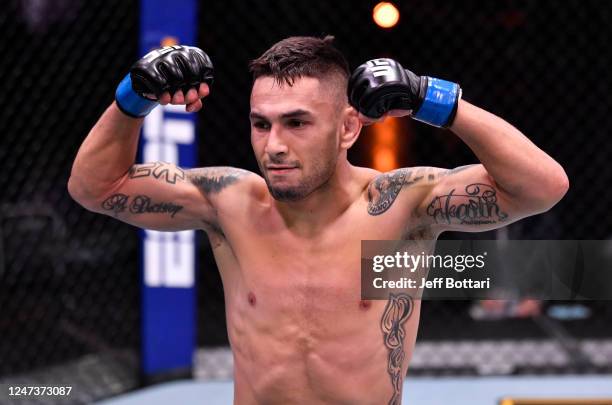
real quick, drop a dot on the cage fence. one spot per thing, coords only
(69, 286)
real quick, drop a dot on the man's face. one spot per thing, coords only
(295, 134)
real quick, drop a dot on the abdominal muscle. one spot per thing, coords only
(304, 337)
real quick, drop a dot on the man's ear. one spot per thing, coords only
(351, 127)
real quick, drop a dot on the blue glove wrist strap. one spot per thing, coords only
(440, 104)
(131, 103)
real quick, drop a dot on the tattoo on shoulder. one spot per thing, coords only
(385, 188)
(396, 313)
(140, 204)
(215, 179)
(167, 172)
(477, 205)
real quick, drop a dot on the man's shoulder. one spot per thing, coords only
(399, 178)
(385, 187)
(410, 176)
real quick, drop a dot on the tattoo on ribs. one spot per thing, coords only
(215, 179)
(476, 207)
(141, 204)
(159, 170)
(398, 310)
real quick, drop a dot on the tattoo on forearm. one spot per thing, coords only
(141, 204)
(215, 179)
(398, 310)
(476, 207)
(159, 170)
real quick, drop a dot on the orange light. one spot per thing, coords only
(386, 144)
(385, 14)
(169, 41)
(384, 159)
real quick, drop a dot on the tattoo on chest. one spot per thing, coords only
(398, 310)
(476, 206)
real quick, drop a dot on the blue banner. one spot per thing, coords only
(168, 258)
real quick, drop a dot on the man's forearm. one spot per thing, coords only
(518, 167)
(106, 154)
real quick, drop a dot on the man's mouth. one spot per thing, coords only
(280, 169)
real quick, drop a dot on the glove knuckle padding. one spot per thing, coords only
(205, 67)
(142, 83)
(171, 69)
(380, 85)
(178, 67)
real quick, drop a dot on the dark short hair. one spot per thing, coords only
(297, 57)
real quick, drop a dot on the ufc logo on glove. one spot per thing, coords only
(380, 67)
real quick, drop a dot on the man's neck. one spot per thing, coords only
(310, 215)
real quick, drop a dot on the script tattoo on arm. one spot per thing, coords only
(398, 310)
(140, 204)
(215, 179)
(476, 206)
(116, 203)
(386, 187)
(159, 170)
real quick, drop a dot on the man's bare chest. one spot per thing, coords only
(272, 253)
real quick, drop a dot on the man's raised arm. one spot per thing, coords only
(153, 195)
(516, 178)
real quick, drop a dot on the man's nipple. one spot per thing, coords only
(252, 299)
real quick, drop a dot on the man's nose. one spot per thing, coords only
(276, 144)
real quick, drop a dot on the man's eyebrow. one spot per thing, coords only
(290, 114)
(257, 116)
(295, 113)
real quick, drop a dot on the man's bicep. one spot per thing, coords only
(157, 196)
(467, 199)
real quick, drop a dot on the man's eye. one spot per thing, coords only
(296, 123)
(261, 125)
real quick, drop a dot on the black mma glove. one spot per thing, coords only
(170, 69)
(380, 85)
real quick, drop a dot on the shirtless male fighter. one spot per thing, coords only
(287, 243)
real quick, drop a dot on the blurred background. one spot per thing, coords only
(70, 307)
